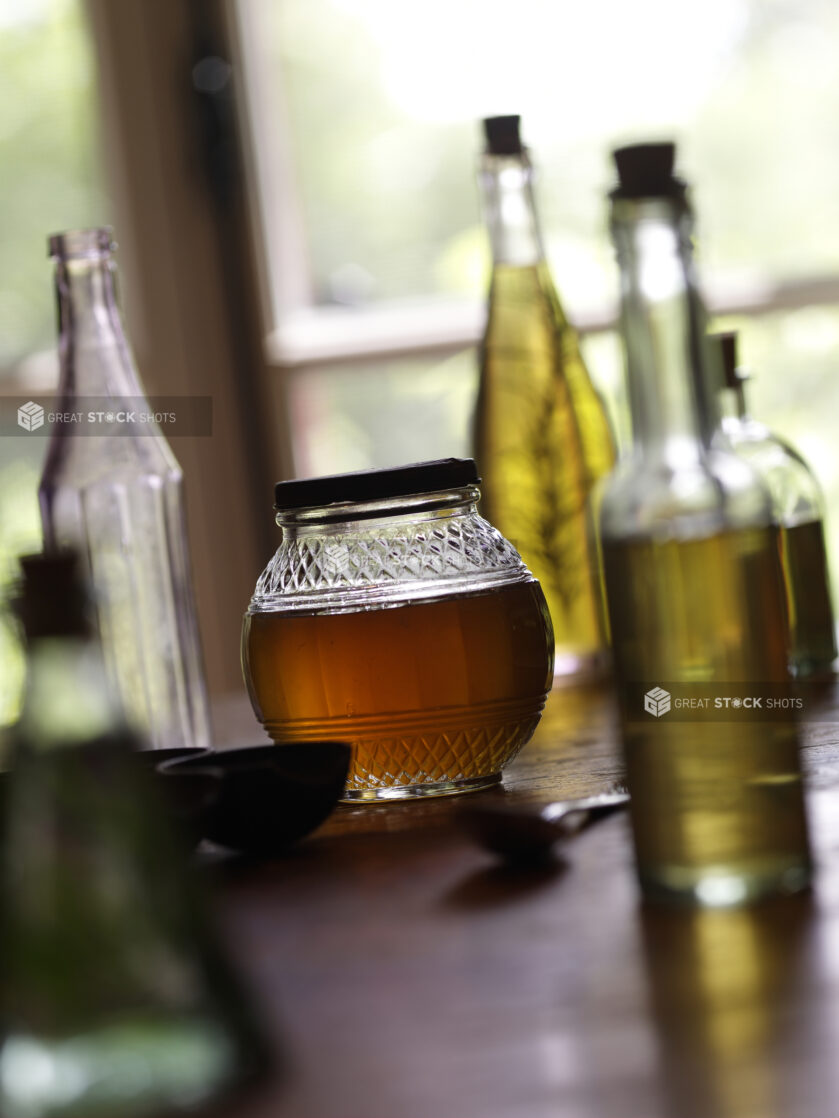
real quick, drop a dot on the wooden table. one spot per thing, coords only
(403, 974)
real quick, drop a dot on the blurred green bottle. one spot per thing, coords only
(541, 435)
(116, 999)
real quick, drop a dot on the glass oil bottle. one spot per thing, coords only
(118, 498)
(799, 512)
(693, 584)
(542, 437)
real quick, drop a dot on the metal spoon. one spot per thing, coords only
(522, 834)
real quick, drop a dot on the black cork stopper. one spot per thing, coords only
(728, 353)
(53, 599)
(733, 375)
(502, 135)
(646, 171)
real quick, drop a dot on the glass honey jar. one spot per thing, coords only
(395, 618)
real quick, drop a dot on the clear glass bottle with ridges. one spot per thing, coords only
(799, 511)
(541, 434)
(118, 497)
(693, 584)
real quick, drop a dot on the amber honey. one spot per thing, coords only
(435, 696)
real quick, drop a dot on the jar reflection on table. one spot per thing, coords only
(418, 636)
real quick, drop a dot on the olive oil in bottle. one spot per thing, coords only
(542, 438)
(798, 507)
(694, 587)
(807, 582)
(716, 806)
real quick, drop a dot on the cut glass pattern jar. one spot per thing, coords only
(394, 617)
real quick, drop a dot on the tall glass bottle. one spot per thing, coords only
(693, 585)
(118, 497)
(799, 511)
(115, 997)
(542, 437)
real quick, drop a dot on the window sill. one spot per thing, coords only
(351, 335)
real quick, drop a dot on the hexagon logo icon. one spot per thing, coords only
(657, 702)
(30, 416)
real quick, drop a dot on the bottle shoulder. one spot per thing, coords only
(79, 461)
(68, 699)
(794, 488)
(711, 491)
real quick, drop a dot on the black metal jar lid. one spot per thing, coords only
(376, 485)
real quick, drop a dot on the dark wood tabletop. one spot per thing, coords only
(403, 973)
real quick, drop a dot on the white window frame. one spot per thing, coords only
(300, 334)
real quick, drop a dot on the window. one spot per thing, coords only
(363, 119)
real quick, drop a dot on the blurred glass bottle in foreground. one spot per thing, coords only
(799, 512)
(542, 438)
(693, 584)
(118, 497)
(115, 997)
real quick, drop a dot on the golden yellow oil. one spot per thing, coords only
(542, 439)
(811, 632)
(717, 806)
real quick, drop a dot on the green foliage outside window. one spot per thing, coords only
(50, 180)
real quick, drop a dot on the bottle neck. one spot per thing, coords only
(740, 398)
(733, 404)
(509, 210)
(68, 700)
(93, 352)
(674, 412)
